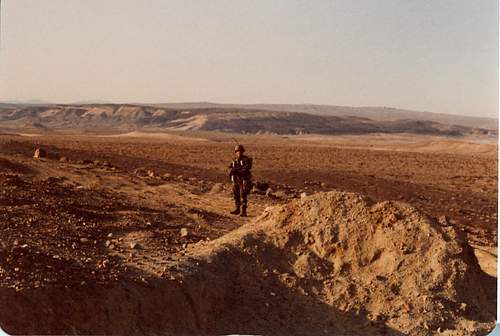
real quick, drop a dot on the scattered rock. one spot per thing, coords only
(40, 153)
(217, 188)
(84, 240)
(134, 245)
(184, 232)
(444, 220)
(280, 194)
(141, 172)
(262, 186)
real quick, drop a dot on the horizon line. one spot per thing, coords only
(41, 102)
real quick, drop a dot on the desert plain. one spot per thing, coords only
(130, 233)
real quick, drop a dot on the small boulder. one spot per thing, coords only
(444, 220)
(40, 153)
(261, 187)
(141, 172)
(184, 232)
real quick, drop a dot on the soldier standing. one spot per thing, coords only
(242, 180)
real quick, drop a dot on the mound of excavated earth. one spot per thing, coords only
(333, 263)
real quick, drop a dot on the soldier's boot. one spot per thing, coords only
(236, 211)
(243, 211)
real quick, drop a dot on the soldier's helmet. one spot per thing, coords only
(239, 148)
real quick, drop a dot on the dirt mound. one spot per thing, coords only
(365, 267)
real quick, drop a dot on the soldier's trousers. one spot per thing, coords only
(241, 189)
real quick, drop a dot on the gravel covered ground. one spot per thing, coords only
(104, 220)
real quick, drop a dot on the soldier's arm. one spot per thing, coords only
(247, 164)
(231, 169)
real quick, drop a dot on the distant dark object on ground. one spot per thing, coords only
(260, 187)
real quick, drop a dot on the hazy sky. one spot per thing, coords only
(434, 55)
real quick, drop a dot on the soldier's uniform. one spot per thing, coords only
(242, 181)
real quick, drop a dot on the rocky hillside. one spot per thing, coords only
(372, 112)
(112, 117)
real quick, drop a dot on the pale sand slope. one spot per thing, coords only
(153, 135)
(409, 143)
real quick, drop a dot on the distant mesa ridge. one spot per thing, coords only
(253, 119)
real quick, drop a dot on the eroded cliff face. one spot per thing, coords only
(116, 117)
